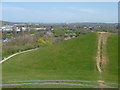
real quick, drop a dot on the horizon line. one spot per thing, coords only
(54, 22)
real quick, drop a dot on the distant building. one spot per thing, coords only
(40, 28)
(6, 28)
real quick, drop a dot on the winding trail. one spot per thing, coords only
(65, 81)
(53, 82)
(5, 59)
(76, 84)
(101, 58)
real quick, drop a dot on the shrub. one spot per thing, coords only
(20, 43)
(41, 41)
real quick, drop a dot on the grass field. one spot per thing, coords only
(68, 60)
(111, 72)
(73, 59)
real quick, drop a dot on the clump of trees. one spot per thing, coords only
(26, 41)
(20, 43)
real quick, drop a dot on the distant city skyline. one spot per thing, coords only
(60, 12)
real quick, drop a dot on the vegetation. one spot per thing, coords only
(56, 58)
(34, 39)
(20, 43)
(67, 60)
(111, 72)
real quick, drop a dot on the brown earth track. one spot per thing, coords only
(101, 58)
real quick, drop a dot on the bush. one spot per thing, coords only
(41, 41)
(20, 43)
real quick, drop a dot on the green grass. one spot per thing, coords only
(111, 72)
(69, 60)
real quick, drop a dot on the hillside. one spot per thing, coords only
(5, 23)
(111, 70)
(74, 59)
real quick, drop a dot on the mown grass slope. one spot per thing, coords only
(111, 72)
(69, 60)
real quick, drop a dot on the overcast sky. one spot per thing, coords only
(60, 12)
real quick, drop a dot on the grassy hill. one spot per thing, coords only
(73, 59)
(69, 60)
(111, 72)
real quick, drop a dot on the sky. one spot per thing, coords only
(60, 12)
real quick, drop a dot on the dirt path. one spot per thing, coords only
(73, 84)
(64, 82)
(54, 83)
(101, 57)
(5, 59)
